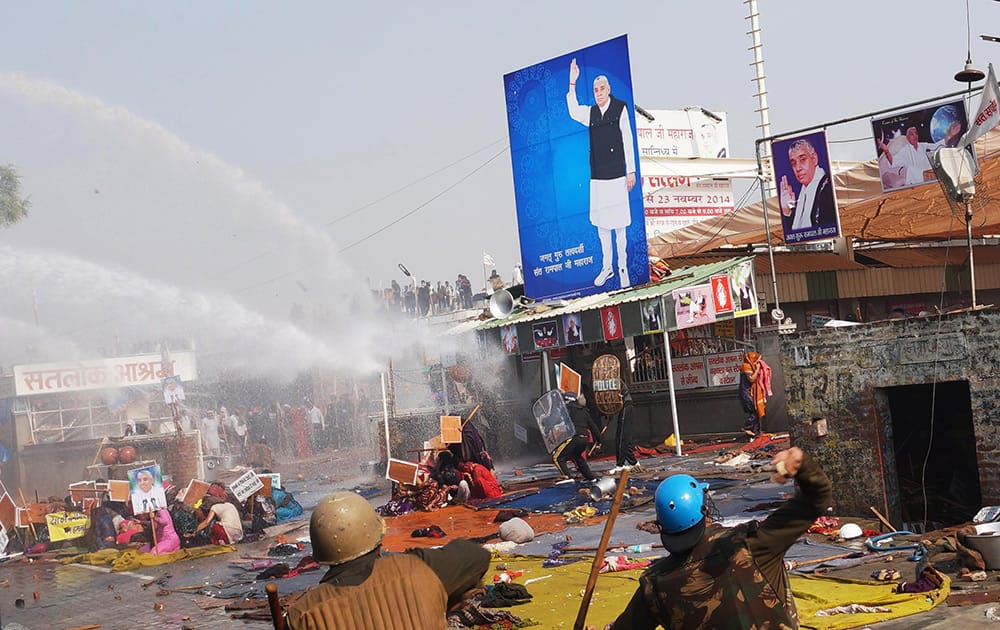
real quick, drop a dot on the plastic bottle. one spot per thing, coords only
(639, 548)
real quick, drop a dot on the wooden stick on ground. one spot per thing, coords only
(275, 606)
(882, 519)
(595, 568)
(794, 564)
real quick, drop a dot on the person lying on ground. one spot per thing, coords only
(224, 519)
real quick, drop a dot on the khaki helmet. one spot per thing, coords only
(344, 526)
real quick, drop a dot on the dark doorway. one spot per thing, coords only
(950, 480)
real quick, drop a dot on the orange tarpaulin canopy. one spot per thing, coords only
(866, 213)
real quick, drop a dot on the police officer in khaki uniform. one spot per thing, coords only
(726, 577)
(365, 590)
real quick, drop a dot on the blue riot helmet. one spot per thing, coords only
(680, 501)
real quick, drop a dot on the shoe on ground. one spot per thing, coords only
(616, 469)
(603, 277)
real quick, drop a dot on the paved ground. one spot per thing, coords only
(76, 596)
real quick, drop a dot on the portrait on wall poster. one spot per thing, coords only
(805, 188)
(544, 335)
(694, 306)
(508, 334)
(744, 293)
(905, 142)
(652, 316)
(572, 329)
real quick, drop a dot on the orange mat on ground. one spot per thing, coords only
(459, 522)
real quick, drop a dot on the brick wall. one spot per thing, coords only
(837, 374)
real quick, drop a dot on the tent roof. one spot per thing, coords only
(866, 213)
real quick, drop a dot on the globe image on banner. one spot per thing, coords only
(942, 120)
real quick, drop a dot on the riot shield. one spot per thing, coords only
(607, 373)
(553, 419)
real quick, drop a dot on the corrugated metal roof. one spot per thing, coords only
(678, 279)
(784, 262)
(931, 256)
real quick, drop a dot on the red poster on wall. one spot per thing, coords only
(611, 322)
(721, 294)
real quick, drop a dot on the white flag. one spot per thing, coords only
(988, 114)
(487, 259)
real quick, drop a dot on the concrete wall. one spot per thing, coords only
(50, 468)
(837, 374)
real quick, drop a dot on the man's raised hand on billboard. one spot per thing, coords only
(786, 197)
(630, 180)
(574, 72)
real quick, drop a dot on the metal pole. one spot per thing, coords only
(385, 415)
(546, 377)
(670, 386)
(444, 389)
(767, 226)
(968, 236)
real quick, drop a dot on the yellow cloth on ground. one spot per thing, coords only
(130, 559)
(556, 600)
(814, 593)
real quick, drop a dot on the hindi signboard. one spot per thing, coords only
(246, 485)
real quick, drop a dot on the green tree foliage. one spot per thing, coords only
(13, 206)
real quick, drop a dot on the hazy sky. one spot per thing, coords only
(220, 148)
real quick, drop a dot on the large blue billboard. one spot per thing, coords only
(576, 173)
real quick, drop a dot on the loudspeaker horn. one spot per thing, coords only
(503, 302)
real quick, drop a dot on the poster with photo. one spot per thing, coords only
(545, 335)
(694, 306)
(741, 282)
(806, 194)
(173, 390)
(508, 334)
(572, 329)
(577, 185)
(146, 489)
(652, 316)
(905, 142)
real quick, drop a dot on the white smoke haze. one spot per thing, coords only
(149, 238)
(96, 306)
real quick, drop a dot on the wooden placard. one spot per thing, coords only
(37, 512)
(569, 379)
(81, 490)
(401, 471)
(118, 490)
(266, 490)
(8, 511)
(196, 489)
(451, 429)
(274, 477)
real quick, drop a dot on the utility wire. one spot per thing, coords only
(390, 224)
(424, 204)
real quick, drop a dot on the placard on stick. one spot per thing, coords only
(451, 429)
(8, 511)
(118, 490)
(569, 379)
(66, 525)
(246, 485)
(196, 489)
(401, 471)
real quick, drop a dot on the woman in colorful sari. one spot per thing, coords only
(752, 394)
